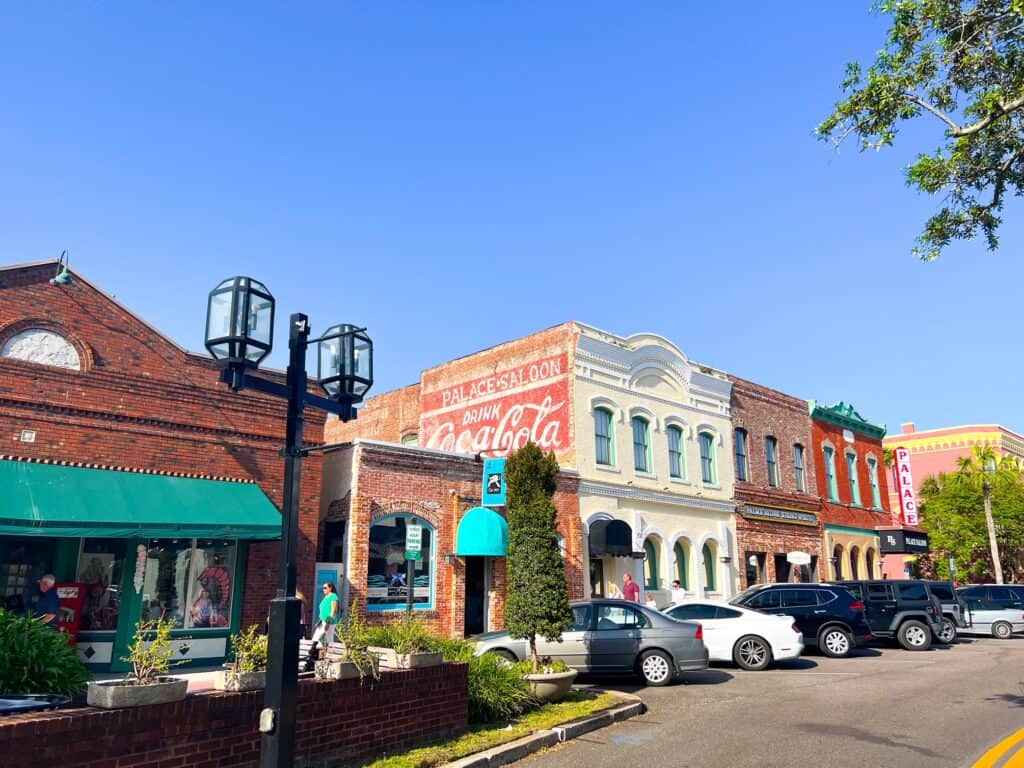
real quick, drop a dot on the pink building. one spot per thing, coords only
(936, 450)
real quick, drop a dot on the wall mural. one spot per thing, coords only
(497, 414)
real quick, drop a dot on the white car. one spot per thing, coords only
(750, 639)
(990, 619)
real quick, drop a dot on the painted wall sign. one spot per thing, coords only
(497, 414)
(905, 486)
(493, 494)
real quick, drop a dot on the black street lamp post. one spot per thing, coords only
(239, 335)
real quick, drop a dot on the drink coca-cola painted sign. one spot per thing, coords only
(496, 414)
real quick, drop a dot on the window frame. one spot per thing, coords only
(771, 459)
(876, 491)
(707, 461)
(645, 445)
(707, 555)
(430, 605)
(610, 437)
(679, 471)
(854, 481)
(830, 472)
(741, 450)
(682, 566)
(799, 467)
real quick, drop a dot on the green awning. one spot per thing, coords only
(482, 531)
(54, 500)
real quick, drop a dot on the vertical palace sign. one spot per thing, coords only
(905, 486)
(499, 413)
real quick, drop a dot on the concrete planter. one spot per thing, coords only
(243, 681)
(551, 687)
(337, 670)
(115, 694)
(391, 659)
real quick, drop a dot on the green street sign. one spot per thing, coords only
(413, 555)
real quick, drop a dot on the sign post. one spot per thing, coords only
(413, 552)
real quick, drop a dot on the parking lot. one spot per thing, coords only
(882, 707)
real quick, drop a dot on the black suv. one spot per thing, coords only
(1003, 595)
(829, 617)
(905, 610)
(954, 610)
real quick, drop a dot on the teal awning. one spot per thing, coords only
(54, 500)
(482, 531)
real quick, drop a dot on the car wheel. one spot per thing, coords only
(501, 653)
(656, 668)
(915, 636)
(752, 653)
(835, 642)
(948, 633)
(1001, 630)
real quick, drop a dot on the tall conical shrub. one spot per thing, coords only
(537, 601)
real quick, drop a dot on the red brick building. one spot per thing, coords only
(778, 528)
(853, 485)
(373, 491)
(128, 468)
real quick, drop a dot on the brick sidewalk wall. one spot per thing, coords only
(338, 722)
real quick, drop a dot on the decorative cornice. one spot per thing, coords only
(677, 500)
(131, 470)
(722, 401)
(843, 415)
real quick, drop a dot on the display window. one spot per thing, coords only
(189, 581)
(100, 572)
(387, 586)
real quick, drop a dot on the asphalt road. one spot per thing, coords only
(882, 707)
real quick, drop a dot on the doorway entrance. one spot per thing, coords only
(476, 595)
(781, 569)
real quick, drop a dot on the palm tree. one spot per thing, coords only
(986, 469)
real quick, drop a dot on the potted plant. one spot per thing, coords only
(351, 657)
(248, 671)
(551, 682)
(408, 646)
(537, 601)
(151, 663)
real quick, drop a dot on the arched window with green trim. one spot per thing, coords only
(650, 565)
(709, 567)
(681, 570)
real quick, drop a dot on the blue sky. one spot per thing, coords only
(456, 174)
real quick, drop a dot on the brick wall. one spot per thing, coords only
(142, 402)
(390, 417)
(765, 412)
(845, 512)
(338, 721)
(438, 488)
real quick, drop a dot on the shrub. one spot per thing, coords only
(407, 635)
(152, 661)
(497, 690)
(35, 659)
(250, 649)
(355, 636)
(547, 667)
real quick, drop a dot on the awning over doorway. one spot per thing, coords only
(483, 532)
(611, 537)
(56, 500)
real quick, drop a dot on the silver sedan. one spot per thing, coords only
(989, 618)
(615, 636)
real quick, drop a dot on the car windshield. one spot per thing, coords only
(743, 596)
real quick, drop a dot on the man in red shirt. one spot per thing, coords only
(630, 589)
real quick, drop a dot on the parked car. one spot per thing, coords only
(906, 611)
(954, 612)
(1003, 595)
(615, 636)
(829, 617)
(988, 618)
(750, 639)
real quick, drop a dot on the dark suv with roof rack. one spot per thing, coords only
(829, 617)
(904, 610)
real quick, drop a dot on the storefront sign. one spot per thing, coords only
(781, 515)
(493, 494)
(902, 542)
(500, 413)
(905, 486)
(71, 597)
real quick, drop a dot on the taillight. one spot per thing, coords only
(700, 632)
(796, 629)
(857, 605)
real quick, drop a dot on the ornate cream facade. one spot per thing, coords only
(654, 453)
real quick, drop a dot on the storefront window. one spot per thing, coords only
(24, 560)
(386, 579)
(100, 571)
(189, 582)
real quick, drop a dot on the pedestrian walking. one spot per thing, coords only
(630, 589)
(678, 594)
(330, 611)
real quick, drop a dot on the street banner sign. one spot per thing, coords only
(493, 494)
(905, 486)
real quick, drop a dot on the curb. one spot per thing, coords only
(520, 748)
